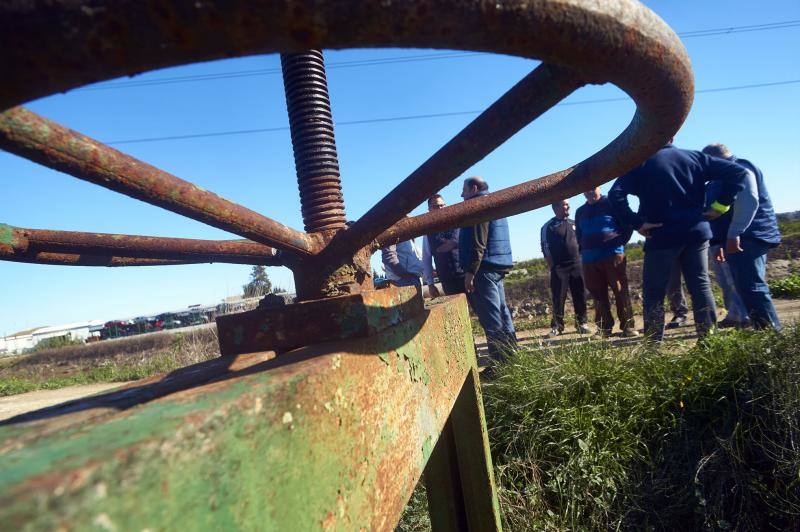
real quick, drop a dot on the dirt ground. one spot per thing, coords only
(789, 311)
(14, 405)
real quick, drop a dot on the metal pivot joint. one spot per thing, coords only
(313, 141)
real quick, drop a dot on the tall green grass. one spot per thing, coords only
(595, 437)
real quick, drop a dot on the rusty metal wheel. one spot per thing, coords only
(52, 46)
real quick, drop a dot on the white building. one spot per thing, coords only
(22, 341)
(76, 331)
(17, 343)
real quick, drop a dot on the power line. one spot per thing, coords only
(711, 32)
(426, 116)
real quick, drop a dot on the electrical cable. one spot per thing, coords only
(431, 115)
(393, 60)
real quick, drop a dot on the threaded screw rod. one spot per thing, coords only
(313, 141)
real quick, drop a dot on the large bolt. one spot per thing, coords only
(313, 141)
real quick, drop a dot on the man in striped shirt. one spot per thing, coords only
(602, 238)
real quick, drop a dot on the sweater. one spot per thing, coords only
(671, 186)
(600, 234)
(559, 241)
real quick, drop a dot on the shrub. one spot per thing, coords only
(787, 287)
(593, 437)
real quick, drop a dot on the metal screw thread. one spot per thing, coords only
(313, 140)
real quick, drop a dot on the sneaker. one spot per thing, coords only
(600, 334)
(582, 328)
(553, 333)
(733, 324)
(677, 321)
(630, 333)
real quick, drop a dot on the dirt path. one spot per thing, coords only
(14, 405)
(789, 311)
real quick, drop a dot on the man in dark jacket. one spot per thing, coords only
(672, 217)
(441, 250)
(745, 234)
(560, 250)
(484, 252)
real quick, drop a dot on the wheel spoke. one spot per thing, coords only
(26, 242)
(29, 135)
(530, 98)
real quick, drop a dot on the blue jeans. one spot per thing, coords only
(488, 300)
(658, 263)
(749, 272)
(733, 303)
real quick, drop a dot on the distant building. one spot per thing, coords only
(76, 331)
(23, 341)
(18, 342)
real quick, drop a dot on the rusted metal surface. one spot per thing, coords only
(527, 100)
(330, 437)
(28, 241)
(313, 140)
(292, 326)
(29, 135)
(75, 259)
(580, 41)
(459, 479)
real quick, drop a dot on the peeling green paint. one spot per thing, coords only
(238, 335)
(427, 448)
(6, 235)
(385, 357)
(301, 448)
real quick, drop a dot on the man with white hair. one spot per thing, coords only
(746, 234)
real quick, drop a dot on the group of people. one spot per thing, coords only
(471, 260)
(695, 207)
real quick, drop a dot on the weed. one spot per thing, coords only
(788, 287)
(592, 437)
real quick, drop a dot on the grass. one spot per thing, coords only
(106, 373)
(111, 361)
(787, 287)
(595, 437)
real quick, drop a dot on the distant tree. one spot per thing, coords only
(259, 284)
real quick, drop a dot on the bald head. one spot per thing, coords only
(473, 186)
(718, 150)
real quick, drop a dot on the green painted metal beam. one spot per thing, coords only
(333, 436)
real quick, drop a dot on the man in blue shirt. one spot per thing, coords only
(745, 235)
(602, 238)
(402, 263)
(484, 252)
(672, 217)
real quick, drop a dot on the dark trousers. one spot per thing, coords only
(677, 301)
(658, 264)
(563, 277)
(602, 275)
(452, 284)
(488, 301)
(749, 273)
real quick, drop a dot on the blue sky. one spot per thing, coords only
(257, 170)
